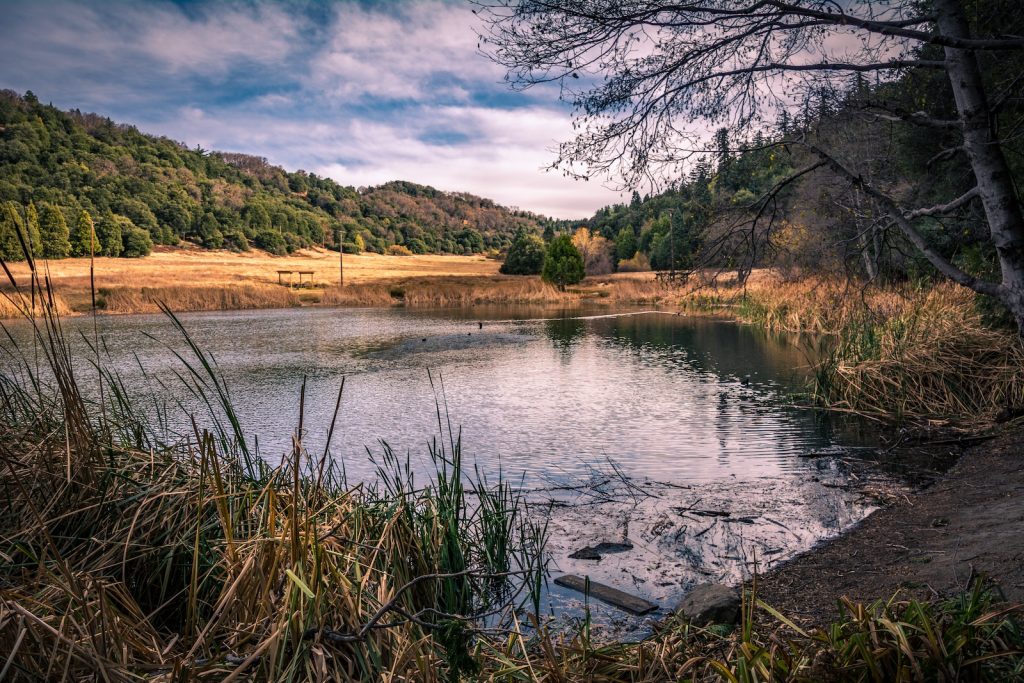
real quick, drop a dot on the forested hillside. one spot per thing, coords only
(746, 204)
(62, 171)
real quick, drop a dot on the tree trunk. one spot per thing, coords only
(995, 183)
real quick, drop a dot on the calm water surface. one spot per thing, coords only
(696, 410)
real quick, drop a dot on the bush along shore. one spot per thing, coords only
(922, 354)
(133, 554)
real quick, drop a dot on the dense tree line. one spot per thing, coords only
(912, 153)
(139, 190)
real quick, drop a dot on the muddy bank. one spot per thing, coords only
(928, 545)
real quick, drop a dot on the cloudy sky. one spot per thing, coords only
(362, 92)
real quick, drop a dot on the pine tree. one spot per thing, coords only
(53, 229)
(83, 238)
(10, 223)
(32, 228)
(108, 232)
(563, 264)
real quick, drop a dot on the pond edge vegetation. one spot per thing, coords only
(129, 555)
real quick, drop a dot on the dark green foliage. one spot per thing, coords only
(83, 237)
(351, 248)
(271, 240)
(525, 256)
(625, 244)
(563, 264)
(10, 224)
(53, 232)
(235, 240)
(108, 232)
(32, 228)
(417, 246)
(85, 161)
(137, 242)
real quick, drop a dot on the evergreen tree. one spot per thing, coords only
(32, 228)
(53, 231)
(525, 256)
(10, 223)
(209, 231)
(108, 232)
(137, 242)
(83, 238)
(563, 264)
(625, 244)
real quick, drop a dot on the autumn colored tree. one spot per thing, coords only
(595, 250)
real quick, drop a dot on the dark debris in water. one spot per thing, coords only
(400, 348)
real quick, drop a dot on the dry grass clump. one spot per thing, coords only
(14, 305)
(130, 557)
(935, 359)
(902, 351)
(196, 298)
(967, 638)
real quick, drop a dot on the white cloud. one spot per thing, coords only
(405, 51)
(503, 161)
(375, 93)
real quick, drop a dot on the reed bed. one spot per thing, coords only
(130, 557)
(196, 298)
(447, 292)
(917, 353)
(133, 552)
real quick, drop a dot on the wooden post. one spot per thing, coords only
(341, 257)
(671, 247)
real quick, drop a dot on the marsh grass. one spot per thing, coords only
(922, 354)
(131, 556)
(130, 552)
(195, 298)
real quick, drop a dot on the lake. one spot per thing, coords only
(674, 434)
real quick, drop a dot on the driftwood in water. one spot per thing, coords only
(613, 596)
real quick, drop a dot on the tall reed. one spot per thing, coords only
(131, 552)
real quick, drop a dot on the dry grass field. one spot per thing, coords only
(190, 279)
(167, 267)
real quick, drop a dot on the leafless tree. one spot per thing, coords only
(649, 78)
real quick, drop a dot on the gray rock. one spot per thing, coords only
(710, 603)
(594, 552)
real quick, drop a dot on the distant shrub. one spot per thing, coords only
(272, 241)
(398, 250)
(137, 242)
(351, 248)
(417, 246)
(235, 240)
(638, 264)
(525, 256)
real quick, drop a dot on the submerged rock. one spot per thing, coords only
(594, 552)
(710, 603)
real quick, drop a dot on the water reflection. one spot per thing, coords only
(694, 412)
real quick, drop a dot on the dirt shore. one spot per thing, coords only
(969, 523)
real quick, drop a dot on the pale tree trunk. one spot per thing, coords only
(995, 183)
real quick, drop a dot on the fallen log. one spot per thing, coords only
(612, 596)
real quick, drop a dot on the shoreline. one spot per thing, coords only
(967, 524)
(806, 586)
